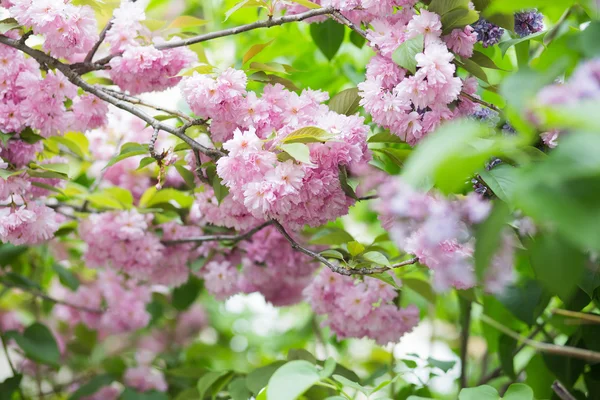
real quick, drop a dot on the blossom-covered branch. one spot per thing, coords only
(52, 62)
(336, 268)
(219, 238)
(268, 23)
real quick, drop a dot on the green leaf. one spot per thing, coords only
(187, 175)
(354, 385)
(423, 288)
(48, 187)
(185, 295)
(588, 40)
(501, 179)
(208, 380)
(484, 392)
(526, 301)
(483, 60)
(489, 236)
(450, 155)
(254, 50)
(332, 254)
(308, 134)
(67, 278)
(518, 391)
(153, 197)
(258, 379)
(242, 4)
(28, 136)
(331, 237)
(405, 54)
(201, 69)
(506, 348)
(8, 24)
(458, 18)
(398, 156)
(376, 258)
(473, 68)
(328, 368)
(357, 39)
(345, 102)
(144, 162)
(237, 389)
(306, 3)
(39, 344)
(355, 248)
(291, 380)
(269, 67)
(298, 151)
(131, 394)
(343, 176)
(507, 44)
(385, 137)
(9, 253)
(443, 365)
(186, 21)
(10, 386)
(128, 150)
(221, 191)
(328, 36)
(557, 264)
(301, 354)
(95, 384)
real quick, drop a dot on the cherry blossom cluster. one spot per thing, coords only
(357, 309)
(439, 231)
(125, 305)
(142, 67)
(296, 193)
(412, 105)
(68, 30)
(583, 85)
(265, 259)
(124, 241)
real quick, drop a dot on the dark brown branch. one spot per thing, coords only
(345, 21)
(219, 238)
(336, 268)
(92, 52)
(74, 78)
(479, 101)
(151, 146)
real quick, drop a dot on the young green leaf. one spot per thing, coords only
(291, 380)
(345, 102)
(328, 36)
(405, 54)
(254, 50)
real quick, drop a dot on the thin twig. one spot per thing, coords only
(594, 318)
(479, 101)
(562, 391)
(345, 21)
(498, 371)
(372, 197)
(152, 144)
(92, 52)
(74, 78)
(219, 238)
(333, 267)
(574, 352)
(267, 23)
(44, 296)
(138, 101)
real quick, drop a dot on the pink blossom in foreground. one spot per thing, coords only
(439, 231)
(360, 309)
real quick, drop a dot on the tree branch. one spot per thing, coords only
(333, 267)
(267, 23)
(574, 352)
(219, 238)
(562, 391)
(74, 78)
(466, 307)
(44, 296)
(92, 52)
(479, 101)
